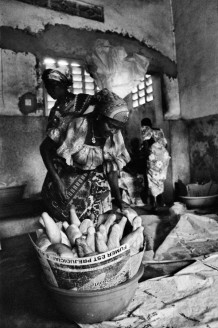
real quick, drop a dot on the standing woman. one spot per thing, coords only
(57, 85)
(83, 152)
(156, 158)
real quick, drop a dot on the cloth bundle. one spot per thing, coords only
(113, 69)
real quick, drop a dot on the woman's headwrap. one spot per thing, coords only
(55, 75)
(112, 106)
(146, 122)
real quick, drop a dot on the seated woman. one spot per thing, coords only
(83, 152)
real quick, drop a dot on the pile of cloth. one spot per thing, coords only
(187, 299)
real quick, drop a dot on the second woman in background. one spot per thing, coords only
(156, 158)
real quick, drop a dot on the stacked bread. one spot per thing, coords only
(84, 239)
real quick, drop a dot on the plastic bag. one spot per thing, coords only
(112, 68)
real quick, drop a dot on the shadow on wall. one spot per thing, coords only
(204, 149)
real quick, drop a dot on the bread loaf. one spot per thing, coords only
(103, 231)
(122, 224)
(109, 222)
(137, 222)
(101, 219)
(100, 244)
(114, 237)
(73, 217)
(91, 238)
(59, 225)
(82, 247)
(133, 236)
(60, 250)
(85, 224)
(72, 233)
(130, 214)
(64, 239)
(43, 242)
(51, 229)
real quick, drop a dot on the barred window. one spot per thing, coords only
(143, 93)
(82, 82)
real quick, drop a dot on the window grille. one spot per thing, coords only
(143, 93)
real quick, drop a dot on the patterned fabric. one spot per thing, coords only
(90, 198)
(148, 133)
(73, 149)
(158, 162)
(159, 137)
(115, 154)
(112, 106)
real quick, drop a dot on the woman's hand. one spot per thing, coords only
(115, 191)
(120, 204)
(124, 206)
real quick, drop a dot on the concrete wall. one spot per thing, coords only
(203, 138)
(144, 20)
(29, 33)
(179, 136)
(17, 76)
(21, 162)
(196, 34)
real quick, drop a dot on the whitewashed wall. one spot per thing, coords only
(17, 76)
(145, 20)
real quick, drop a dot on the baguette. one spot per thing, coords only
(130, 214)
(73, 216)
(133, 236)
(114, 237)
(43, 242)
(138, 243)
(109, 222)
(137, 222)
(83, 249)
(101, 219)
(91, 238)
(59, 225)
(60, 250)
(51, 229)
(103, 231)
(72, 233)
(85, 224)
(122, 224)
(101, 246)
(64, 239)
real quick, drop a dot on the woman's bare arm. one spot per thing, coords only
(48, 151)
(115, 191)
